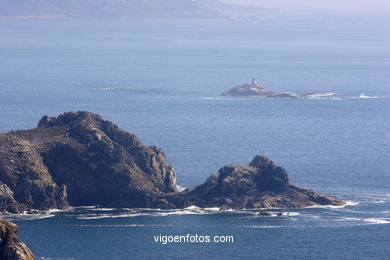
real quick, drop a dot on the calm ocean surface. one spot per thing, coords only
(162, 80)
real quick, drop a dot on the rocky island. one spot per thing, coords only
(80, 159)
(256, 90)
(261, 184)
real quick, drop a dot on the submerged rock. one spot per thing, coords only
(79, 159)
(269, 214)
(11, 248)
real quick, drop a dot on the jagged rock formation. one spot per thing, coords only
(11, 248)
(79, 159)
(261, 184)
(7, 201)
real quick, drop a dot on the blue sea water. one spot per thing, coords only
(161, 80)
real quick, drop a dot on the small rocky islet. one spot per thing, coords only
(80, 159)
(257, 90)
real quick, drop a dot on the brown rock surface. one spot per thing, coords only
(79, 159)
(11, 248)
(261, 184)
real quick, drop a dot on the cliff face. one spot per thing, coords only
(79, 159)
(11, 248)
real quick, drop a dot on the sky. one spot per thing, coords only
(348, 6)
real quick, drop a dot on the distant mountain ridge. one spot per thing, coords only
(114, 8)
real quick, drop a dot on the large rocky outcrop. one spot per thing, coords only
(11, 248)
(80, 159)
(261, 184)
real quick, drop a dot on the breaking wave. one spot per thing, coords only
(347, 203)
(130, 213)
(316, 96)
(377, 220)
(180, 188)
(192, 210)
(270, 226)
(366, 221)
(364, 96)
(31, 215)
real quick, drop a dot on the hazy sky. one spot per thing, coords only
(361, 6)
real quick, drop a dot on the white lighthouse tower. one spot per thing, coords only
(254, 83)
